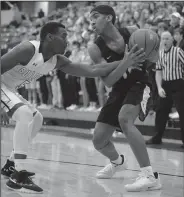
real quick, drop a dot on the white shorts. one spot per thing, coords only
(11, 100)
(31, 85)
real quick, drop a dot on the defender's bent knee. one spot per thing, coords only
(39, 117)
(23, 113)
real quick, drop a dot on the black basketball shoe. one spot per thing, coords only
(21, 182)
(9, 168)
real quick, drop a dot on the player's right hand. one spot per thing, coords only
(161, 92)
(4, 117)
(135, 56)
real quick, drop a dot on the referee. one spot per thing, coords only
(170, 84)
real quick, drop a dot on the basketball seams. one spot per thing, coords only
(143, 40)
(154, 47)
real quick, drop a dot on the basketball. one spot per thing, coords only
(148, 40)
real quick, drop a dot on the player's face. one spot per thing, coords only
(98, 22)
(59, 41)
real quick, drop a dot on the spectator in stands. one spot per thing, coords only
(64, 84)
(177, 7)
(179, 37)
(73, 82)
(175, 21)
(161, 28)
(85, 59)
(44, 92)
(182, 22)
(56, 91)
(41, 14)
(92, 92)
(170, 84)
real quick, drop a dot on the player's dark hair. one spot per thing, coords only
(50, 27)
(106, 10)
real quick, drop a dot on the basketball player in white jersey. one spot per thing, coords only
(27, 62)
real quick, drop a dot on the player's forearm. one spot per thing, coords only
(86, 70)
(104, 69)
(158, 78)
(116, 74)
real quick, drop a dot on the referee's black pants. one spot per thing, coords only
(175, 94)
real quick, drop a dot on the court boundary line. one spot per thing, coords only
(94, 165)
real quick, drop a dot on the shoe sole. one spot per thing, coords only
(158, 187)
(24, 190)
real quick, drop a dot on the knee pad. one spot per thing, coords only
(23, 113)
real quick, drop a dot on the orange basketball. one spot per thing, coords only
(148, 40)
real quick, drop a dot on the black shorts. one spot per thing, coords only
(110, 111)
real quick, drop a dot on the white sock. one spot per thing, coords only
(147, 170)
(21, 164)
(11, 158)
(118, 160)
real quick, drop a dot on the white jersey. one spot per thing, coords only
(20, 75)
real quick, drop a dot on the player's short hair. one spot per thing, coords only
(106, 10)
(50, 27)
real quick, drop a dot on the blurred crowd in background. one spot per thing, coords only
(62, 91)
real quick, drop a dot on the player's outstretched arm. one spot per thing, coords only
(86, 70)
(20, 54)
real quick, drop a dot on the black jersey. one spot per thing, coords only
(111, 56)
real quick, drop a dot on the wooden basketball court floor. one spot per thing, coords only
(65, 166)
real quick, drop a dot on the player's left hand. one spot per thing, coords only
(135, 56)
(4, 117)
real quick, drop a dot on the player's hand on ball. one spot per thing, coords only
(135, 56)
(4, 117)
(161, 92)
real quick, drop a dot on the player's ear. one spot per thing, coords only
(109, 18)
(49, 37)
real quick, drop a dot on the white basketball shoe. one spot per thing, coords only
(145, 182)
(109, 170)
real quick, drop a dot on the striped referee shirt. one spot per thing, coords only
(171, 63)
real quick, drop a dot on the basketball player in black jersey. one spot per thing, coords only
(123, 104)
